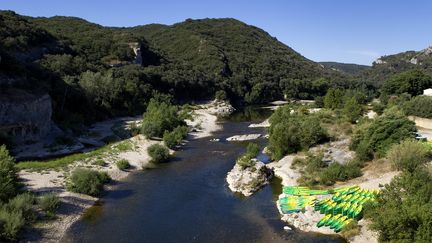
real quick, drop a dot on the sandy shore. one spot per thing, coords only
(74, 205)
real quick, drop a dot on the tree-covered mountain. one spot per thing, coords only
(115, 71)
(345, 68)
(387, 66)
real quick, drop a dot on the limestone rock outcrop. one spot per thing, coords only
(250, 179)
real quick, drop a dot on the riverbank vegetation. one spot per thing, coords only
(403, 211)
(158, 153)
(248, 159)
(87, 181)
(19, 208)
(292, 131)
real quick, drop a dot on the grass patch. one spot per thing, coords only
(60, 162)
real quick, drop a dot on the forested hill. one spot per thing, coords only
(345, 68)
(386, 66)
(115, 71)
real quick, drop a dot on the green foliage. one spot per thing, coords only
(160, 117)
(404, 209)
(290, 133)
(379, 135)
(409, 155)
(99, 162)
(252, 150)
(9, 184)
(420, 106)
(352, 110)
(87, 181)
(318, 172)
(378, 107)
(123, 164)
(334, 99)
(221, 95)
(158, 153)
(248, 159)
(175, 137)
(49, 203)
(337, 172)
(14, 215)
(412, 82)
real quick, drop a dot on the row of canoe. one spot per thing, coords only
(336, 222)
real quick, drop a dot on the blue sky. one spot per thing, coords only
(333, 30)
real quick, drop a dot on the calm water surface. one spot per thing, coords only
(187, 200)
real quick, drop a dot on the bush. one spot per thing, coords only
(49, 203)
(175, 138)
(9, 185)
(99, 162)
(11, 222)
(378, 107)
(87, 181)
(403, 212)
(123, 164)
(158, 153)
(352, 110)
(15, 214)
(246, 161)
(420, 106)
(160, 117)
(337, 172)
(252, 150)
(379, 135)
(409, 155)
(290, 133)
(220, 95)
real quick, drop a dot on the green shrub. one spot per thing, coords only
(352, 110)
(378, 107)
(290, 133)
(175, 137)
(337, 172)
(11, 222)
(420, 106)
(158, 153)
(49, 203)
(87, 181)
(160, 117)
(252, 150)
(123, 164)
(99, 162)
(409, 155)
(377, 137)
(9, 184)
(246, 161)
(220, 95)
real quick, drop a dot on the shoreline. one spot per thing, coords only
(74, 205)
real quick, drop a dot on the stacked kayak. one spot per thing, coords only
(303, 191)
(344, 206)
(293, 204)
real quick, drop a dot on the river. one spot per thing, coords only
(187, 200)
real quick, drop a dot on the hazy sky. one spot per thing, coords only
(332, 30)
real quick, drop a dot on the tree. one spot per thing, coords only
(352, 110)
(333, 98)
(378, 136)
(9, 184)
(160, 117)
(412, 82)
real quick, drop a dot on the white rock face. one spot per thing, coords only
(244, 137)
(248, 180)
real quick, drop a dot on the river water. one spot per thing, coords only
(187, 200)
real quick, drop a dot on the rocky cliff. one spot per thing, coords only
(23, 116)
